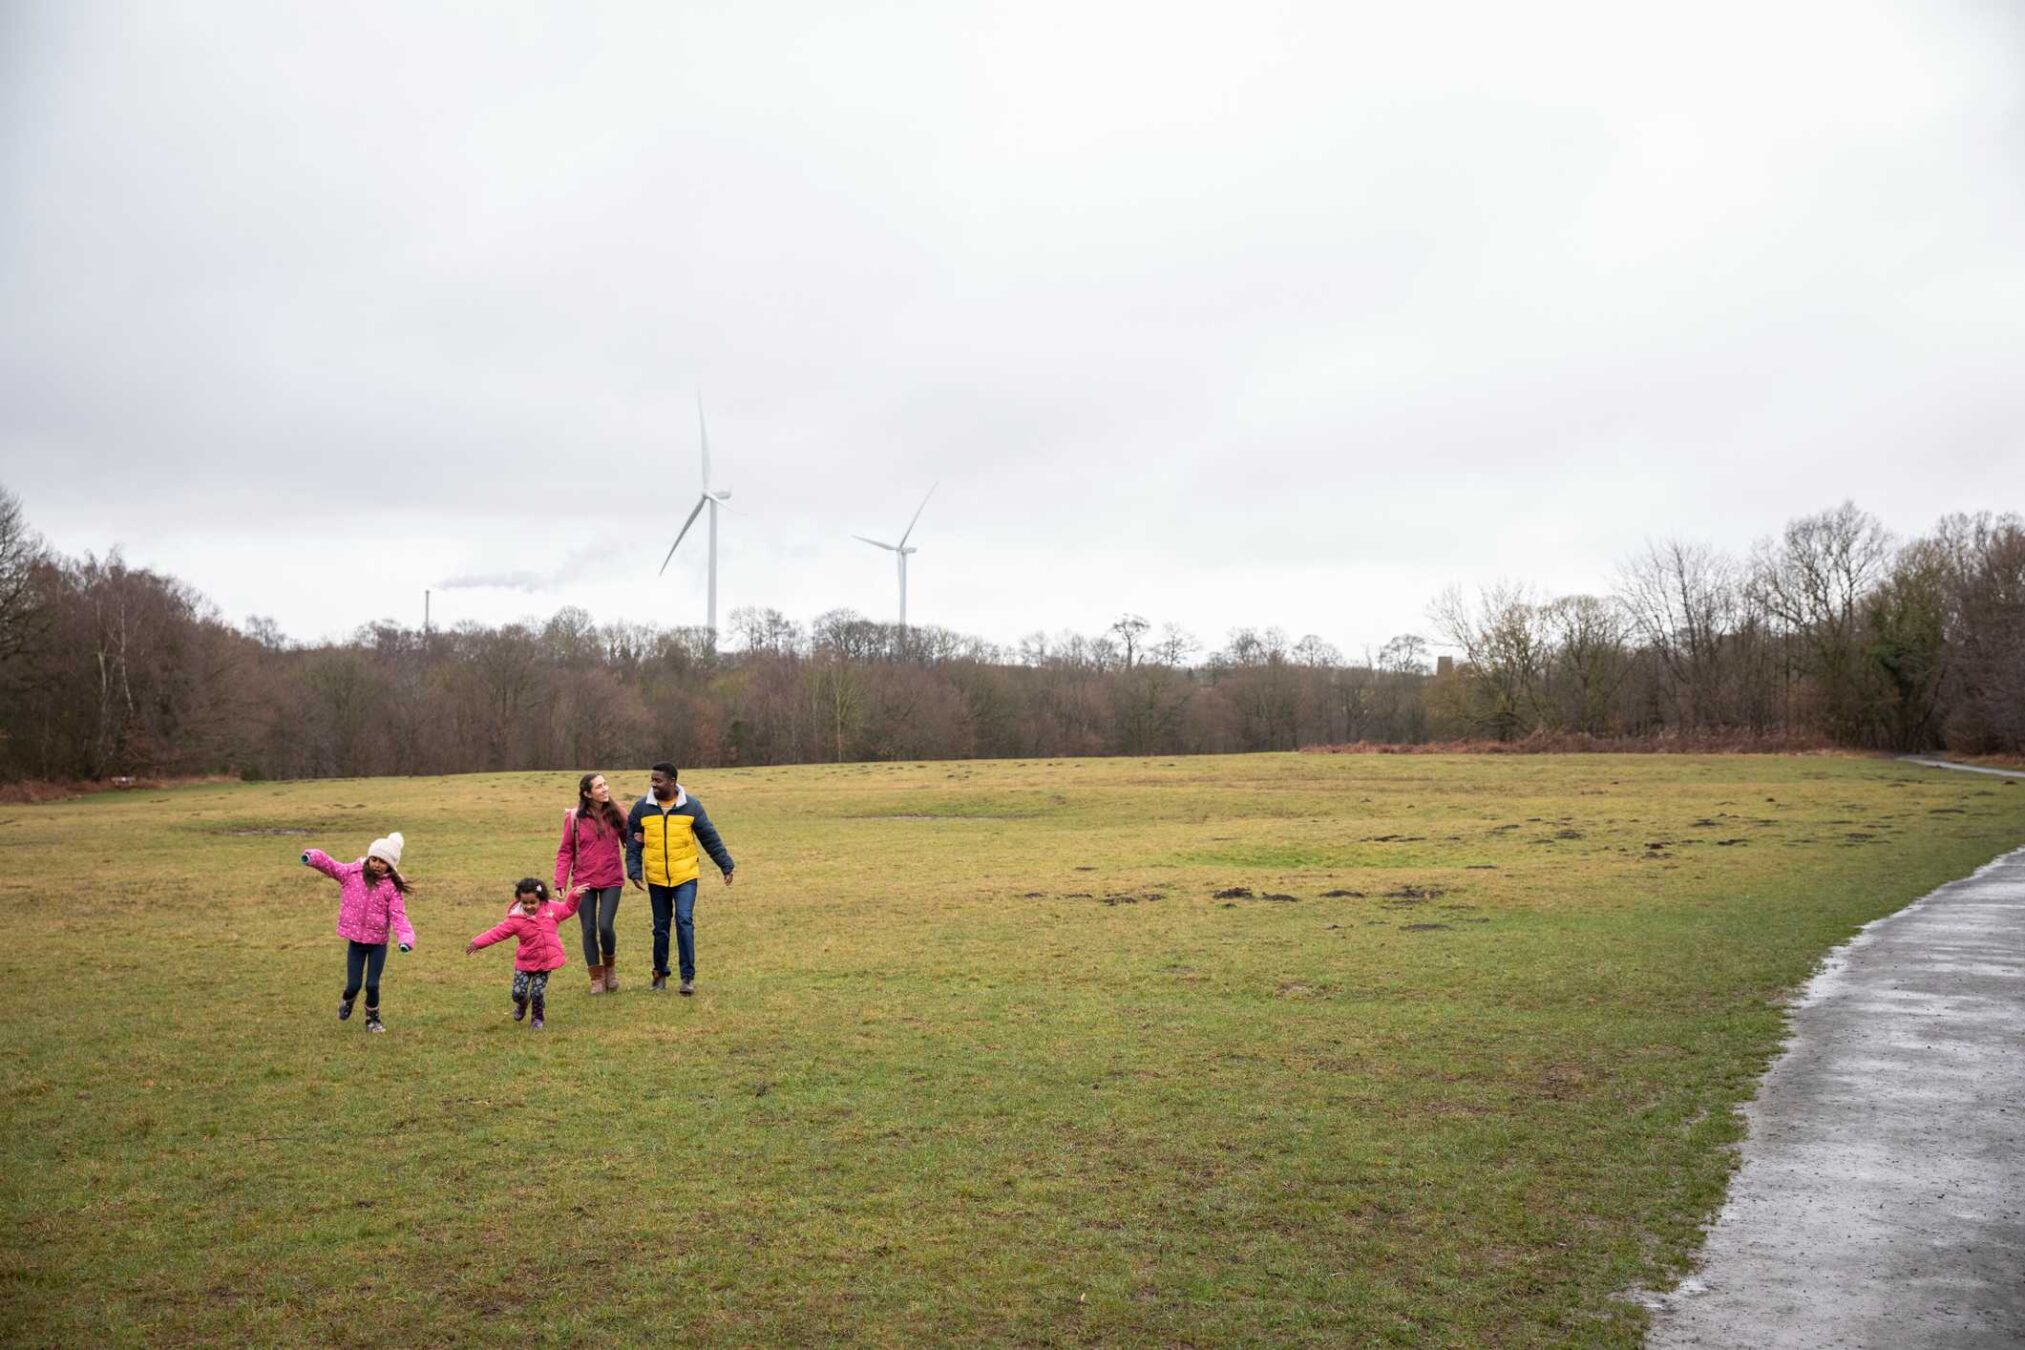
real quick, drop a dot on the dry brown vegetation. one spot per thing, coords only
(1734, 742)
(1832, 634)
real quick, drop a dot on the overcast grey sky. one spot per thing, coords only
(1270, 314)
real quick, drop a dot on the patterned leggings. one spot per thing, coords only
(529, 984)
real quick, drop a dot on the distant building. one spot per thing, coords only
(1444, 665)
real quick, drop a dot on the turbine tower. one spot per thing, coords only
(711, 500)
(900, 551)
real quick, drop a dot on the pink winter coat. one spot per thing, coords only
(594, 852)
(366, 909)
(540, 948)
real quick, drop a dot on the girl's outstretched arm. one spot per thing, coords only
(496, 933)
(322, 862)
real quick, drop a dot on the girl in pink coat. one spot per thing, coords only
(370, 896)
(532, 919)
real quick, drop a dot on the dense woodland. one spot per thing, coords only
(1832, 630)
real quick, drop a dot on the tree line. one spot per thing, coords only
(1832, 630)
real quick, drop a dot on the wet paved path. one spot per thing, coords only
(1881, 1200)
(1964, 768)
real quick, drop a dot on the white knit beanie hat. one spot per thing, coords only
(387, 850)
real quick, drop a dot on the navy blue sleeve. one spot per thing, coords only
(633, 842)
(707, 833)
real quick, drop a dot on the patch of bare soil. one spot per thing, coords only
(35, 791)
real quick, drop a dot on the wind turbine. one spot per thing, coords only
(711, 500)
(900, 551)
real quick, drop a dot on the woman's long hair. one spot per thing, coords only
(605, 813)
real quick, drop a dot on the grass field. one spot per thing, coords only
(978, 1053)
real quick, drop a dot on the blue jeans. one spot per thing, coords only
(680, 901)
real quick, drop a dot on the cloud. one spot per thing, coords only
(1294, 319)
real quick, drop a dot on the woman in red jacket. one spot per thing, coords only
(532, 919)
(592, 855)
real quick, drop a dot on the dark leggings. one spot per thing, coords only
(599, 916)
(368, 959)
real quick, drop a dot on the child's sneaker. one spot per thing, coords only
(344, 1009)
(520, 1009)
(373, 1022)
(536, 1023)
(538, 1010)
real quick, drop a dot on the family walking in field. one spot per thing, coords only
(658, 843)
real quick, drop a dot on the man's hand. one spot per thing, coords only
(727, 878)
(635, 881)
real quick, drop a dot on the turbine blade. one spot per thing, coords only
(876, 544)
(684, 534)
(917, 513)
(704, 428)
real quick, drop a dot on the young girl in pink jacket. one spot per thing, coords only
(532, 919)
(370, 896)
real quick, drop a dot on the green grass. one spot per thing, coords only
(978, 1055)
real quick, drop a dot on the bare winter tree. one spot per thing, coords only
(838, 697)
(1255, 674)
(1398, 703)
(1404, 655)
(1986, 631)
(1683, 599)
(1589, 660)
(1175, 647)
(1504, 644)
(1906, 632)
(766, 630)
(1313, 652)
(1129, 628)
(1813, 583)
(850, 635)
(21, 553)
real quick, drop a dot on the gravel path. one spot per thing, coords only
(1881, 1200)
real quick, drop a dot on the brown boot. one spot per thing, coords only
(611, 977)
(597, 979)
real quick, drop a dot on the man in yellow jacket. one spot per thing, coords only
(662, 833)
